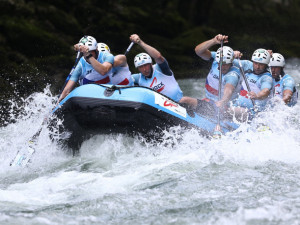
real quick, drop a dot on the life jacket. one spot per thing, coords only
(212, 82)
(278, 88)
(121, 76)
(162, 83)
(254, 82)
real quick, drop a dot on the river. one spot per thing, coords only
(247, 177)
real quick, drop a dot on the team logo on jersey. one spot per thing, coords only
(157, 87)
(277, 89)
(88, 71)
(216, 76)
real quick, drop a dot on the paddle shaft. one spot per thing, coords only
(220, 82)
(129, 47)
(22, 158)
(79, 54)
(246, 81)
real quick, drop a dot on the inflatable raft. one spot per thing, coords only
(104, 109)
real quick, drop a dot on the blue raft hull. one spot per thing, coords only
(103, 109)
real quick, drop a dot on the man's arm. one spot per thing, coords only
(287, 96)
(68, 88)
(231, 81)
(288, 87)
(72, 82)
(246, 64)
(164, 68)
(104, 67)
(266, 86)
(202, 49)
(260, 95)
(101, 68)
(120, 60)
(228, 91)
(154, 53)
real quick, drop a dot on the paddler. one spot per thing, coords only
(230, 78)
(93, 67)
(259, 81)
(159, 76)
(121, 74)
(283, 84)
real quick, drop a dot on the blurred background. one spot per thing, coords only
(37, 37)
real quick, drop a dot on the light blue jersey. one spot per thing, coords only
(121, 75)
(85, 73)
(160, 82)
(256, 84)
(285, 83)
(246, 64)
(212, 81)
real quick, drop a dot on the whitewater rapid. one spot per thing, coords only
(247, 177)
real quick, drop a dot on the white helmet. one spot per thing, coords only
(142, 59)
(228, 55)
(102, 47)
(277, 60)
(89, 41)
(261, 56)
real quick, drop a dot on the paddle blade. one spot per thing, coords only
(263, 128)
(22, 158)
(217, 132)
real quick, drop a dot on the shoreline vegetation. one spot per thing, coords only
(37, 36)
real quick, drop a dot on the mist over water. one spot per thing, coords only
(247, 177)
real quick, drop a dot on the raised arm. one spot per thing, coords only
(154, 53)
(202, 49)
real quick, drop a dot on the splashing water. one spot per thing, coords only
(246, 177)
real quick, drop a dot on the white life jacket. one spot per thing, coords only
(121, 76)
(255, 86)
(212, 82)
(278, 87)
(162, 83)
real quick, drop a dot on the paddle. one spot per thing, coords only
(246, 81)
(23, 156)
(261, 127)
(217, 133)
(79, 55)
(129, 47)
